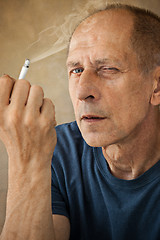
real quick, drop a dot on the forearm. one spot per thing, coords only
(28, 214)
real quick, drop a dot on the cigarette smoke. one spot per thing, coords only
(56, 38)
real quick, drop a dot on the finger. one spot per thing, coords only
(48, 110)
(6, 86)
(20, 93)
(35, 100)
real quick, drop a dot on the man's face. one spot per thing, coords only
(109, 94)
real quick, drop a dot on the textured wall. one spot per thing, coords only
(33, 29)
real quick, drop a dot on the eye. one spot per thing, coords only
(77, 71)
(108, 69)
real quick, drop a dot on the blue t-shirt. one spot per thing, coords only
(99, 205)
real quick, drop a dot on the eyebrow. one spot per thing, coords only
(97, 62)
(107, 60)
(73, 64)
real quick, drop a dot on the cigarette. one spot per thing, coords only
(24, 69)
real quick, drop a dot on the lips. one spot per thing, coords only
(92, 117)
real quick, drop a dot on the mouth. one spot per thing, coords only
(92, 118)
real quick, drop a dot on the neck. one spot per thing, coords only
(138, 152)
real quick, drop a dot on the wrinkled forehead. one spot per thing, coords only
(113, 24)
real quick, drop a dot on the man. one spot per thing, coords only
(105, 167)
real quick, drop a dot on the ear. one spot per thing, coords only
(155, 98)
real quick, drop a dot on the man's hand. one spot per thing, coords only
(26, 118)
(27, 122)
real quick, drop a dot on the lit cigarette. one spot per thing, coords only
(24, 69)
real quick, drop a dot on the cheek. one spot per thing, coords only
(72, 93)
(71, 90)
(129, 107)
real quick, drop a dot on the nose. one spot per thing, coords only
(88, 86)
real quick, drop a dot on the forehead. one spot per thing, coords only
(106, 29)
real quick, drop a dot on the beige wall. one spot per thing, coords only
(42, 22)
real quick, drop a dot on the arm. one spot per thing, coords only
(27, 130)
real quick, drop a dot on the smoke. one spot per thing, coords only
(56, 38)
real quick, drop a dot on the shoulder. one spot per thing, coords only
(69, 142)
(67, 156)
(68, 132)
(68, 128)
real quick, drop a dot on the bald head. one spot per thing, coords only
(119, 21)
(104, 27)
(105, 18)
(142, 27)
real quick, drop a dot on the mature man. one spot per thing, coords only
(105, 167)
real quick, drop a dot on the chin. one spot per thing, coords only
(93, 144)
(99, 139)
(93, 140)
